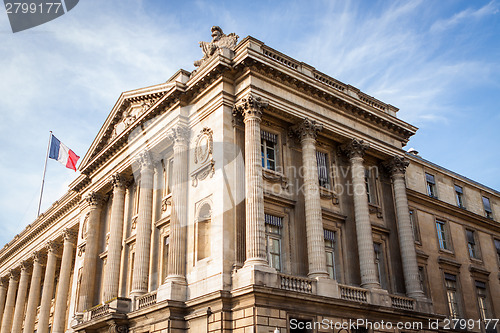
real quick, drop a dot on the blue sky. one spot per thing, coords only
(438, 61)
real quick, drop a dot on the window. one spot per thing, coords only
(442, 235)
(459, 194)
(203, 225)
(452, 295)
(167, 176)
(137, 194)
(497, 246)
(273, 240)
(471, 244)
(422, 277)
(414, 226)
(323, 178)
(268, 150)
(482, 300)
(370, 186)
(380, 263)
(487, 208)
(166, 246)
(330, 253)
(431, 185)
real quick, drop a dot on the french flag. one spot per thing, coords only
(65, 156)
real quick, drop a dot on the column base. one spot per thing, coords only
(261, 275)
(425, 305)
(255, 262)
(380, 297)
(172, 290)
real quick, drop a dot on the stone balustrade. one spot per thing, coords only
(294, 283)
(353, 293)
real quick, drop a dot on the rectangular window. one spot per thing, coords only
(497, 246)
(487, 208)
(330, 253)
(380, 263)
(167, 176)
(414, 226)
(442, 235)
(268, 150)
(370, 186)
(166, 246)
(322, 160)
(452, 295)
(471, 244)
(137, 194)
(482, 300)
(422, 277)
(274, 225)
(431, 185)
(459, 194)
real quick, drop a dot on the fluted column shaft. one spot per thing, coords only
(112, 269)
(21, 298)
(367, 266)
(48, 287)
(34, 294)
(3, 295)
(10, 303)
(178, 219)
(64, 281)
(307, 130)
(87, 286)
(143, 233)
(405, 232)
(251, 108)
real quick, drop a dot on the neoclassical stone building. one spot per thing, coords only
(255, 194)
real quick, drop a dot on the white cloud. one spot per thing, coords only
(466, 14)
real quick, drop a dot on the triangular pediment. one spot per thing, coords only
(130, 107)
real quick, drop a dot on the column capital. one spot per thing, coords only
(118, 181)
(70, 235)
(145, 160)
(26, 266)
(250, 106)
(355, 148)
(94, 199)
(39, 257)
(14, 274)
(396, 165)
(4, 281)
(53, 247)
(179, 134)
(306, 129)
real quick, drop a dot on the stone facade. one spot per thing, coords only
(255, 194)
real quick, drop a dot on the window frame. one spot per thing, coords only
(459, 196)
(455, 289)
(381, 264)
(275, 236)
(488, 211)
(414, 225)
(263, 144)
(371, 186)
(447, 238)
(474, 250)
(496, 245)
(331, 247)
(328, 181)
(431, 185)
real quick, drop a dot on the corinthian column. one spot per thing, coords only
(112, 269)
(140, 276)
(34, 295)
(252, 108)
(3, 294)
(64, 277)
(53, 251)
(87, 286)
(307, 132)
(355, 151)
(397, 167)
(21, 297)
(178, 219)
(10, 302)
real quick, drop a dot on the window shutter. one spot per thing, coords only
(458, 189)
(430, 178)
(481, 284)
(322, 167)
(450, 277)
(329, 235)
(470, 237)
(273, 220)
(269, 136)
(486, 204)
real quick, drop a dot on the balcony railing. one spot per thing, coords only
(99, 311)
(146, 300)
(400, 302)
(353, 293)
(294, 283)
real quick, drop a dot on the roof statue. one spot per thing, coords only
(219, 41)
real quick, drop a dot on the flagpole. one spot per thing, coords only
(43, 177)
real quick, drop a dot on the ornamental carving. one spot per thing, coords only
(130, 115)
(26, 266)
(70, 235)
(397, 165)
(14, 274)
(355, 148)
(179, 134)
(219, 41)
(144, 160)
(251, 106)
(165, 203)
(54, 247)
(306, 129)
(39, 257)
(118, 180)
(94, 199)
(85, 225)
(117, 328)
(203, 155)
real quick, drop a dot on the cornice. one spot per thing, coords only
(58, 210)
(444, 207)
